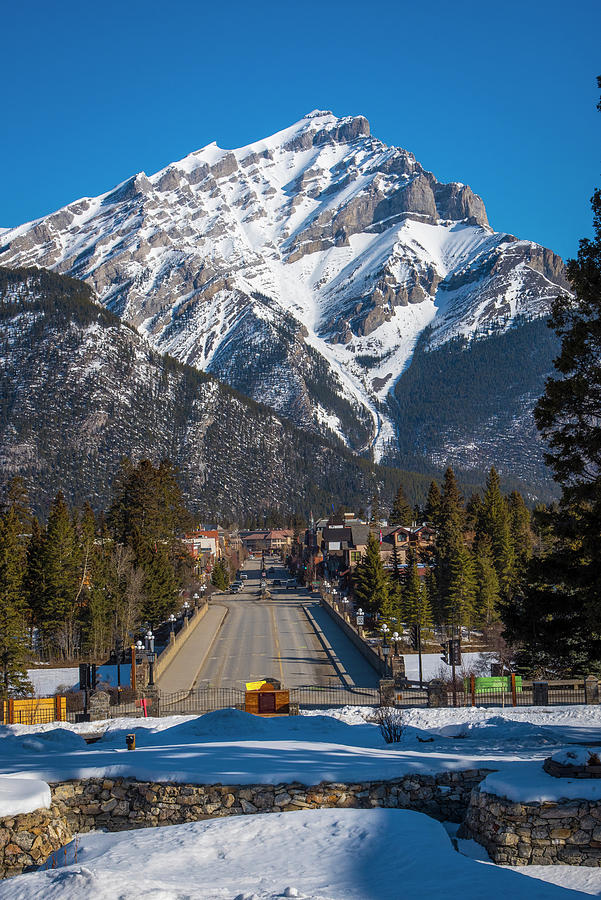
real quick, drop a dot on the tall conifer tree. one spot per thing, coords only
(462, 590)
(450, 532)
(14, 649)
(371, 580)
(402, 511)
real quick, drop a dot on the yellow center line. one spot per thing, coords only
(276, 642)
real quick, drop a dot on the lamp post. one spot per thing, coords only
(186, 609)
(360, 619)
(150, 656)
(196, 598)
(385, 648)
(172, 622)
(395, 640)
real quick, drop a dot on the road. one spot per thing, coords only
(275, 639)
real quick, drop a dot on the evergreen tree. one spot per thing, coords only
(520, 527)
(148, 515)
(220, 577)
(433, 502)
(450, 532)
(376, 511)
(462, 590)
(14, 649)
(402, 512)
(58, 612)
(494, 523)
(17, 499)
(417, 609)
(371, 580)
(396, 565)
(34, 585)
(487, 594)
(433, 595)
(160, 587)
(473, 512)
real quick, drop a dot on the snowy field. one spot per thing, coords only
(46, 682)
(329, 854)
(314, 854)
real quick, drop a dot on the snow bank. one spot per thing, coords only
(22, 795)
(527, 782)
(349, 854)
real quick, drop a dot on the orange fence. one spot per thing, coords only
(35, 711)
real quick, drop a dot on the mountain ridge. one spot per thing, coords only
(313, 249)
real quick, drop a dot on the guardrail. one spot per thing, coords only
(176, 641)
(395, 665)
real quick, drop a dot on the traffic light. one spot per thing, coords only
(414, 637)
(84, 676)
(445, 650)
(455, 651)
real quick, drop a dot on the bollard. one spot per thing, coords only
(130, 741)
(540, 693)
(591, 690)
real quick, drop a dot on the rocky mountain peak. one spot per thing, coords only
(318, 249)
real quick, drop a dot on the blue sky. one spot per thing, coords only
(499, 96)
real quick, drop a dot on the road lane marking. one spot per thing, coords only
(277, 643)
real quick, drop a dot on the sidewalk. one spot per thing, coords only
(182, 672)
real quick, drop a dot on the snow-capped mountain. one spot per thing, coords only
(80, 389)
(300, 269)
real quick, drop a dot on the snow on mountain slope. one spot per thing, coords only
(301, 269)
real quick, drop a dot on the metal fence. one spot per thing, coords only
(317, 697)
(570, 693)
(314, 697)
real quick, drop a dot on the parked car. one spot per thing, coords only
(243, 577)
(291, 583)
(235, 587)
(277, 582)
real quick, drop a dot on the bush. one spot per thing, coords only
(390, 722)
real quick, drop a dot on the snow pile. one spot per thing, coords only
(349, 854)
(527, 782)
(22, 795)
(577, 756)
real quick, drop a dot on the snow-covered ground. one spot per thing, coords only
(314, 854)
(433, 666)
(47, 682)
(326, 854)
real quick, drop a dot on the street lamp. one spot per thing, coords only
(172, 622)
(150, 656)
(196, 598)
(395, 639)
(186, 608)
(385, 648)
(360, 617)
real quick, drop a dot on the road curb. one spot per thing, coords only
(340, 670)
(211, 642)
(210, 646)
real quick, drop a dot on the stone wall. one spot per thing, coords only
(124, 804)
(27, 840)
(120, 804)
(540, 834)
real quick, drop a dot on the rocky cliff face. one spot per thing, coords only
(80, 389)
(317, 250)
